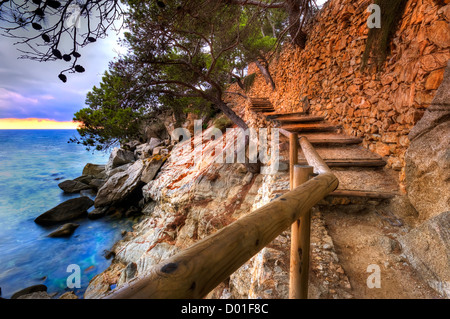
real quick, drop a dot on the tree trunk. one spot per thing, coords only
(265, 72)
(251, 167)
(294, 10)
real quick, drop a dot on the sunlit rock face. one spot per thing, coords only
(188, 199)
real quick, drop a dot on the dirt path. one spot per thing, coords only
(366, 235)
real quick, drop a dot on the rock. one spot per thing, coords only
(72, 186)
(427, 248)
(98, 212)
(86, 179)
(131, 146)
(64, 230)
(68, 295)
(427, 160)
(119, 157)
(119, 169)
(151, 167)
(128, 273)
(93, 169)
(121, 186)
(67, 210)
(146, 150)
(439, 34)
(29, 290)
(434, 80)
(160, 150)
(97, 183)
(133, 211)
(36, 295)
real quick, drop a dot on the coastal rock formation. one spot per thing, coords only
(146, 150)
(121, 186)
(70, 209)
(119, 157)
(428, 156)
(151, 167)
(93, 169)
(72, 186)
(64, 231)
(29, 290)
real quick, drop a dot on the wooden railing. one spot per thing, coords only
(195, 271)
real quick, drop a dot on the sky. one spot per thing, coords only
(31, 94)
(31, 91)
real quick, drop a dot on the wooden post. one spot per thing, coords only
(300, 233)
(293, 156)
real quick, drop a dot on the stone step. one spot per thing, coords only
(310, 127)
(299, 119)
(331, 139)
(274, 115)
(367, 182)
(360, 193)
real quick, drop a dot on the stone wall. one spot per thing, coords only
(380, 106)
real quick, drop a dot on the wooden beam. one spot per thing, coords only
(195, 271)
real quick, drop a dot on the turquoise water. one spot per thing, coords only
(32, 163)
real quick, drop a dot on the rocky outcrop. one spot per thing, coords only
(121, 186)
(119, 157)
(64, 231)
(29, 290)
(68, 210)
(146, 150)
(151, 167)
(427, 247)
(72, 186)
(93, 169)
(428, 156)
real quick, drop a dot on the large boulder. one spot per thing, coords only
(121, 186)
(70, 209)
(72, 186)
(64, 231)
(151, 167)
(29, 290)
(427, 248)
(118, 169)
(427, 168)
(119, 157)
(93, 169)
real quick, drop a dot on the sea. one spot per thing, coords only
(32, 164)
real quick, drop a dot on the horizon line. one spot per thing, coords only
(37, 124)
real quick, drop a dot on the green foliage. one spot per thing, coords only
(378, 40)
(115, 111)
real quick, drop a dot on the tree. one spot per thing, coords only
(57, 30)
(116, 110)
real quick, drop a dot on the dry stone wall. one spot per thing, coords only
(381, 106)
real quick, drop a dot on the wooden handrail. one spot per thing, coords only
(195, 271)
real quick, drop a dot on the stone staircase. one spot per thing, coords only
(361, 173)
